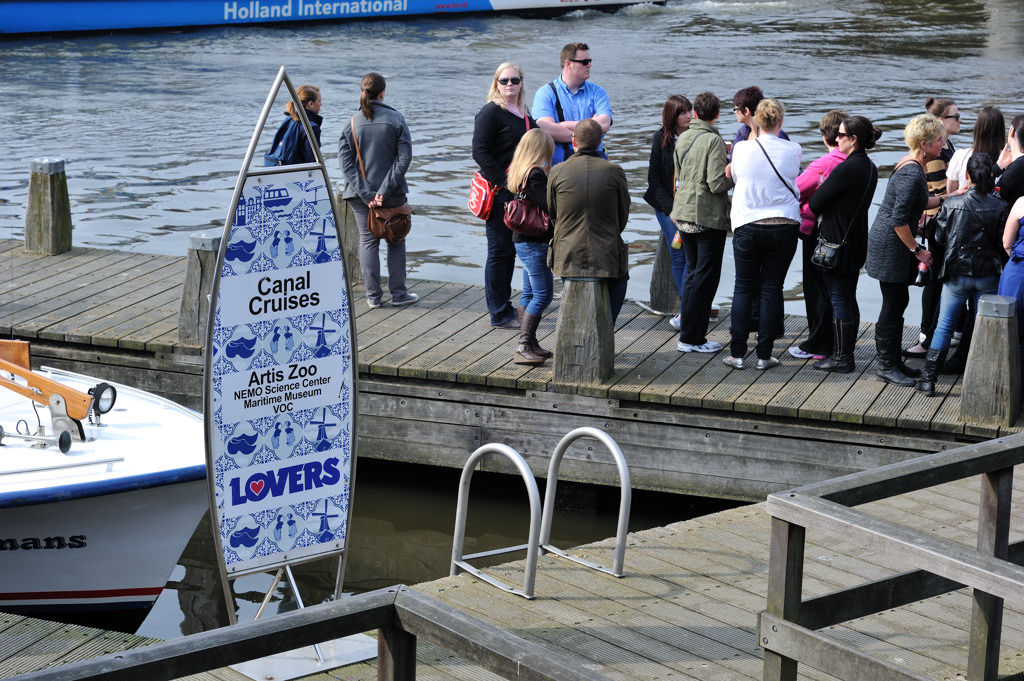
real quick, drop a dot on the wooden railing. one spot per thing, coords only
(401, 616)
(788, 628)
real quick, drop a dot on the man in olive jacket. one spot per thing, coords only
(588, 204)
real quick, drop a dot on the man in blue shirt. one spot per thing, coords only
(577, 98)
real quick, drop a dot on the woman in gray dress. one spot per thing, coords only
(894, 257)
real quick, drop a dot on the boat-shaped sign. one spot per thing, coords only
(280, 369)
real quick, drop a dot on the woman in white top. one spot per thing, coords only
(765, 220)
(989, 138)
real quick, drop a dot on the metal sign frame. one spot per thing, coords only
(271, 390)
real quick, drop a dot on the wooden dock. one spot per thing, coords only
(686, 608)
(436, 382)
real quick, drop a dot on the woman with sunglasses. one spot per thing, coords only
(744, 104)
(842, 201)
(893, 254)
(661, 186)
(498, 127)
(817, 303)
(946, 111)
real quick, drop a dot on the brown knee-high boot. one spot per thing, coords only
(525, 353)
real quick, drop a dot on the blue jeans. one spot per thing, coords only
(500, 264)
(677, 256)
(955, 292)
(842, 290)
(762, 254)
(538, 284)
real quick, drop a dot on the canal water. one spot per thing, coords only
(401, 533)
(154, 126)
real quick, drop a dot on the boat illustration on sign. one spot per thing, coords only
(276, 196)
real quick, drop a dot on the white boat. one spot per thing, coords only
(96, 529)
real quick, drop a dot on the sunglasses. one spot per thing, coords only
(955, 116)
(844, 134)
(585, 62)
(506, 81)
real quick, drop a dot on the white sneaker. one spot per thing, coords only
(676, 323)
(710, 346)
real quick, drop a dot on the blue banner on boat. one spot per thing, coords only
(55, 16)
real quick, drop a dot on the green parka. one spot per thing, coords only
(702, 191)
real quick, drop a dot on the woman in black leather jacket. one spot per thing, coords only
(970, 229)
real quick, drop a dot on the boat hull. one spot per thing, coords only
(109, 553)
(47, 16)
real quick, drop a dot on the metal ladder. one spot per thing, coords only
(540, 521)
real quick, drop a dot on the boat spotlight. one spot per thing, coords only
(103, 397)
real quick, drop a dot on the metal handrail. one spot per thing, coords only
(459, 561)
(625, 499)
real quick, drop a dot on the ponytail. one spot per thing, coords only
(369, 91)
(979, 169)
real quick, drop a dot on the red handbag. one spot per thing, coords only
(524, 217)
(481, 196)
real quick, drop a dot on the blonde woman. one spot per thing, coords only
(499, 126)
(529, 170)
(893, 254)
(765, 221)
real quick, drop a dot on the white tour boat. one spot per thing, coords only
(101, 487)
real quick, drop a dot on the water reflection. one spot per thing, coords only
(402, 534)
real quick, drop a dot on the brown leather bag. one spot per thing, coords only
(392, 224)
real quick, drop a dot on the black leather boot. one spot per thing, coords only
(844, 336)
(525, 353)
(887, 346)
(932, 366)
(904, 369)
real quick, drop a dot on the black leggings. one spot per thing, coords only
(895, 298)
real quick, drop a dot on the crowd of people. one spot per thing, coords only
(951, 220)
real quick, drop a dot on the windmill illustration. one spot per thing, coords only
(321, 349)
(322, 236)
(324, 534)
(323, 443)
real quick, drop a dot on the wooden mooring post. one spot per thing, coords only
(48, 214)
(664, 296)
(585, 338)
(194, 315)
(991, 388)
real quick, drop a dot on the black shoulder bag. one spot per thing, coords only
(826, 253)
(566, 146)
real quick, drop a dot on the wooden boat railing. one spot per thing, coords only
(788, 629)
(401, 616)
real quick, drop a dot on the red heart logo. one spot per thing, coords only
(256, 487)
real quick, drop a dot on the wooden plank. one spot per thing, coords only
(131, 297)
(820, 404)
(62, 292)
(404, 327)
(125, 316)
